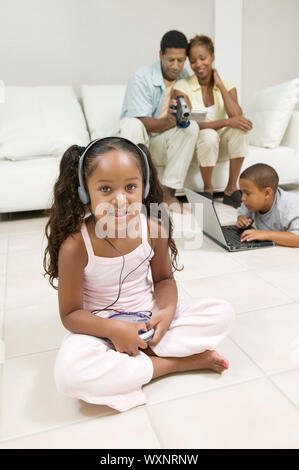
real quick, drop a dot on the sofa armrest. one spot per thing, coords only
(291, 136)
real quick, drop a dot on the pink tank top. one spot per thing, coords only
(101, 278)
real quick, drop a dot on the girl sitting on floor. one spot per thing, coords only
(103, 360)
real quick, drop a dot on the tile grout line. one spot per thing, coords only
(284, 372)
(146, 408)
(23, 355)
(264, 308)
(276, 287)
(289, 302)
(249, 270)
(268, 376)
(5, 309)
(55, 428)
(153, 426)
(4, 300)
(216, 389)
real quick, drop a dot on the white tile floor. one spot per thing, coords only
(252, 405)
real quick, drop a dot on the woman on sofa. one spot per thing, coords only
(220, 138)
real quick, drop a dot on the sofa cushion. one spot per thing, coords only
(41, 120)
(27, 184)
(270, 110)
(102, 106)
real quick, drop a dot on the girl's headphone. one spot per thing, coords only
(82, 191)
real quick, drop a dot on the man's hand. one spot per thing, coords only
(160, 321)
(171, 114)
(243, 221)
(250, 235)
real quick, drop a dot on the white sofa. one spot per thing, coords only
(37, 124)
(27, 184)
(284, 158)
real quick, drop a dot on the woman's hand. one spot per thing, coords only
(160, 321)
(125, 337)
(217, 79)
(239, 122)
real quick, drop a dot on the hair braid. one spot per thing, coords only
(67, 212)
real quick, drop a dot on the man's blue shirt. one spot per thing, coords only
(144, 92)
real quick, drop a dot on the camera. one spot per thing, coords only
(183, 112)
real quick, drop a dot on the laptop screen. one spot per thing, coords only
(211, 224)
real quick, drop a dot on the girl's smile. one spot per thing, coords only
(115, 187)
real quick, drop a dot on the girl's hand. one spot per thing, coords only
(243, 221)
(160, 321)
(250, 235)
(125, 337)
(239, 122)
(216, 77)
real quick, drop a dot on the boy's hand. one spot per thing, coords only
(250, 235)
(125, 337)
(160, 321)
(243, 221)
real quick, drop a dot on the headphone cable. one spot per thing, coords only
(121, 281)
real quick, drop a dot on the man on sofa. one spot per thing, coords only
(147, 118)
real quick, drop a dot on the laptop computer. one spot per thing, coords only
(227, 236)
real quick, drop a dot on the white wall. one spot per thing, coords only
(228, 25)
(89, 41)
(98, 41)
(270, 43)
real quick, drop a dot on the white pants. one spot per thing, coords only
(172, 149)
(212, 146)
(87, 368)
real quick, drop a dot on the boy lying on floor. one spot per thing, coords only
(274, 212)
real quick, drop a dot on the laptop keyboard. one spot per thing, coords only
(232, 236)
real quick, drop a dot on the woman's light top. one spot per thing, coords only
(190, 87)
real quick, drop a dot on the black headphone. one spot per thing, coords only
(82, 191)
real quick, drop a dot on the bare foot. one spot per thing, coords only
(210, 360)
